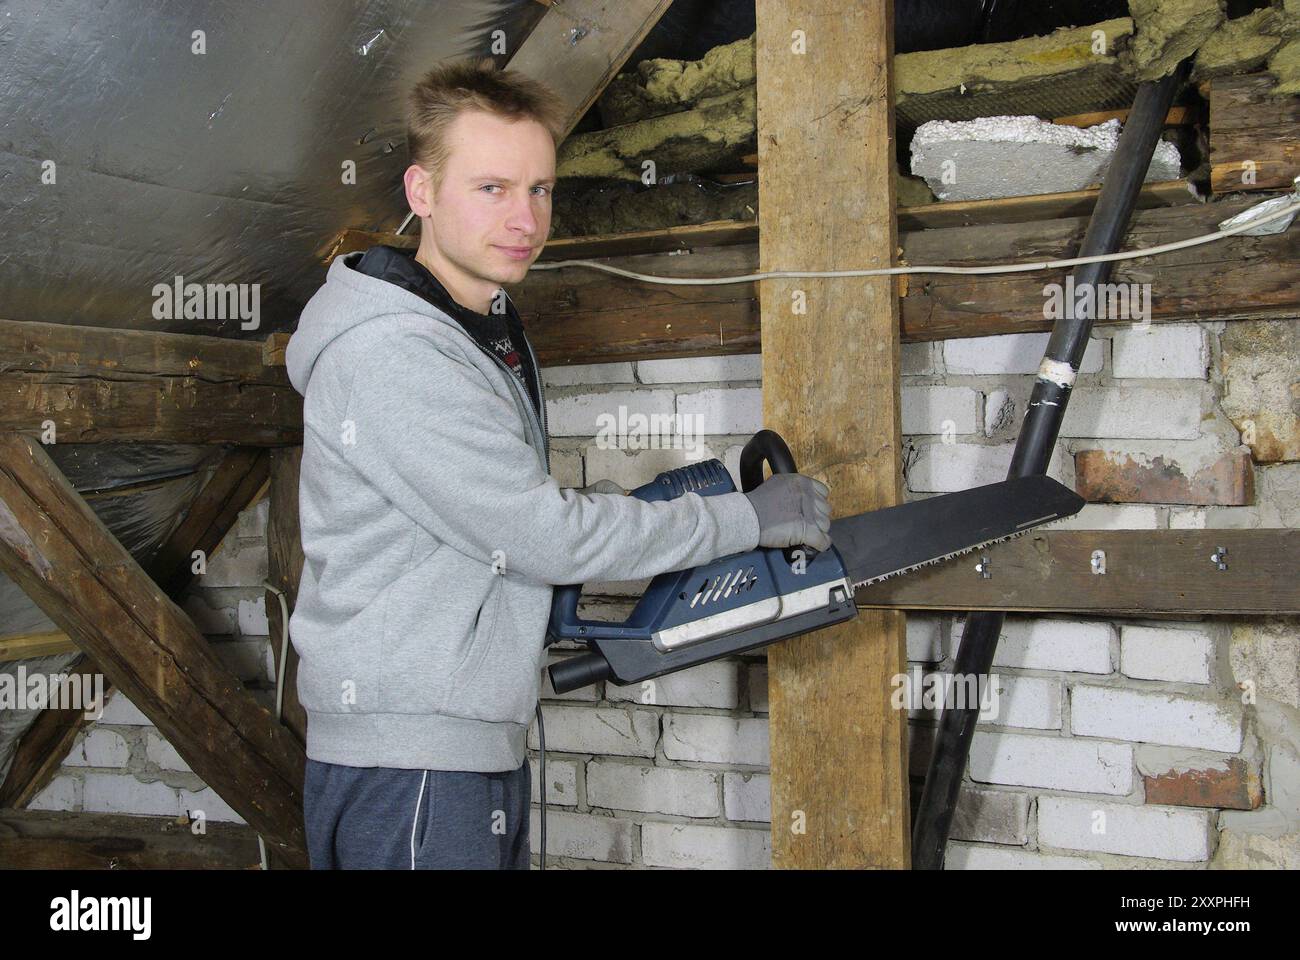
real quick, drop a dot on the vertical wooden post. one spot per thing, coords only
(830, 387)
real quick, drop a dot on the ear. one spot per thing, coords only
(419, 190)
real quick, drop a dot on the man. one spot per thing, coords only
(432, 531)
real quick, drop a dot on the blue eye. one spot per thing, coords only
(485, 186)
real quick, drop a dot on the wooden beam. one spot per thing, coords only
(44, 643)
(580, 45)
(577, 315)
(1148, 572)
(284, 571)
(1254, 136)
(100, 383)
(57, 550)
(42, 749)
(56, 840)
(826, 169)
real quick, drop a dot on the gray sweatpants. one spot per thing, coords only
(381, 818)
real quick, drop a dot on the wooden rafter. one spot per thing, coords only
(55, 548)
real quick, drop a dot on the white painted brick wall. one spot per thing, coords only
(715, 684)
(583, 836)
(1069, 646)
(698, 847)
(758, 687)
(158, 751)
(252, 617)
(583, 414)
(1166, 833)
(608, 730)
(585, 373)
(632, 468)
(634, 786)
(947, 467)
(692, 736)
(924, 638)
(121, 710)
(1166, 718)
(1160, 350)
(723, 410)
(969, 856)
(1111, 516)
(1033, 702)
(1056, 763)
(208, 803)
(747, 796)
(99, 748)
(236, 563)
(1166, 653)
(917, 359)
(747, 366)
(927, 410)
(123, 793)
(1009, 353)
(59, 794)
(561, 781)
(991, 816)
(1160, 413)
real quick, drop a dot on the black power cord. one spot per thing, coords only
(541, 742)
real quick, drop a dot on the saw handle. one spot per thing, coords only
(767, 446)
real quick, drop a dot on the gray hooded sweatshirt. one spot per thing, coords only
(433, 534)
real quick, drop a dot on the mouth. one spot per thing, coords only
(516, 253)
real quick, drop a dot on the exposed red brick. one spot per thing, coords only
(1236, 788)
(1102, 477)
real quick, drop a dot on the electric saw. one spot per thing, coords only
(748, 600)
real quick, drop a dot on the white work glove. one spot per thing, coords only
(792, 511)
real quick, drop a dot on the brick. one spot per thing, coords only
(123, 793)
(1033, 702)
(246, 659)
(1057, 763)
(629, 415)
(632, 468)
(1199, 780)
(747, 366)
(916, 359)
(1008, 353)
(1069, 646)
(1259, 386)
(1165, 653)
(122, 711)
(217, 621)
(1165, 833)
(627, 786)
(1265, 658)
(924, 638)
(715, 684)
(709, 739)
(236, 563)
(598, 730)
(946, 467)
(566, 468)
(965, 856)
(99, 748)
(698, 847)
(584, 373)
(561, 781)
(731, 410)
(1165, 350)
(59, 794)
(927, 410)
(252, 617)
(991, 816)
(1106, 478)
(999, 414)
(747, 796)
(252, 521)
(582, 836)
(1111, 516)
(1161, 413)
(162, 754)
(1168, 719)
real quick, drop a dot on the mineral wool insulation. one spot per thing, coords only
(1019, 156)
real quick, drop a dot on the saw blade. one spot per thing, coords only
(885, 543)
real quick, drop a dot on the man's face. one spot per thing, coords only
(492, 213)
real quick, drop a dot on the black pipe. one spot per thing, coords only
(1037, 439)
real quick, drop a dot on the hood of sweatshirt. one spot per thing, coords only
(346, 299)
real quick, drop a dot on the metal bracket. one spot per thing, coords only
(982, 568)
(1098, 561)
(1220, 557)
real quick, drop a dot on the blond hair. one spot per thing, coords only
(453, 87)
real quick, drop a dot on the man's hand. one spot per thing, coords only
(604, 486)
(792, 511)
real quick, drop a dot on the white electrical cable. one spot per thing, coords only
(1289, 210)
(279, 683)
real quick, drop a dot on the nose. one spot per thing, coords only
(523, 216)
